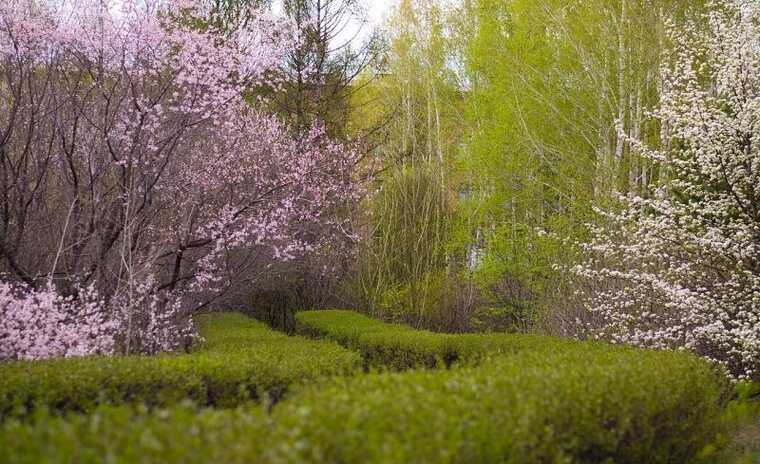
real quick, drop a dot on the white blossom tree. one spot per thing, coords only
(681, 270)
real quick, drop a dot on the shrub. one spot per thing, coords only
(398, 347)
(123, 435)
(589, 404)
(240, 360)
(555, 402)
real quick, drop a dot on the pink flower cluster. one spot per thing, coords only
(38, 324)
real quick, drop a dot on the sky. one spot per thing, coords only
(377, 12)
(379, 9)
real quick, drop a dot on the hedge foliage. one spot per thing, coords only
(554, 401)
(240, 360)
(121, 434)
(585, 405)
(398, 347)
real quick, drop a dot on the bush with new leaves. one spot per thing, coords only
(398, 347)
(591, 404)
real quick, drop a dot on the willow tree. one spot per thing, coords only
(405, 265)
(420, 85)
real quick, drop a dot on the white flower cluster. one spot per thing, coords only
(682, 269)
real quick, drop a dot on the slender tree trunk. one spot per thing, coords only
(622, 100)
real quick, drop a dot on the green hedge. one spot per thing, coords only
(400, 347)
(554, 402)
(120, 434)
(585, 405)
(240, 360)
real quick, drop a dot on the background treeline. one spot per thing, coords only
(497, 127)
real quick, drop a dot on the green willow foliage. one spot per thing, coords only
(405, 250)
(407, 271)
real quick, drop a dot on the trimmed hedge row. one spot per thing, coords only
(121, 434)
(585, 405)
(399, 347)
(240, 360)
(180, 434)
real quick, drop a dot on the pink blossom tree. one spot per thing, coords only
(683, 267)
(40, 323)
(134, 165)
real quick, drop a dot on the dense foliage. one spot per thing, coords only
(124, 435)
(585, 405)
